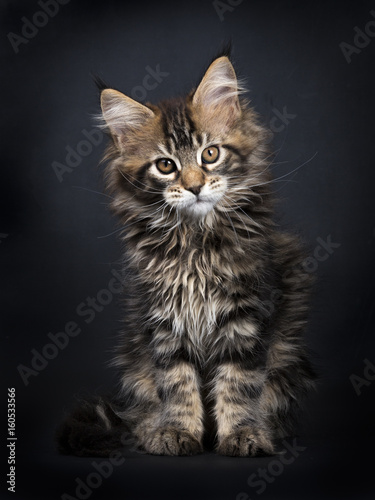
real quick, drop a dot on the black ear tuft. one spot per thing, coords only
(99, 82)
(225, 50)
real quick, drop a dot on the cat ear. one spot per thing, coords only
(122, 114)
(217, 93)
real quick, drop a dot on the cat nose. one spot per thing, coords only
(195, 189)
(192, 179)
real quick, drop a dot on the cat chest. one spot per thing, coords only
(189, 300)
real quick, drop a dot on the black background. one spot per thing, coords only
(58, 246)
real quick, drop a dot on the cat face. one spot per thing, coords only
(185, 155)
(193, 184)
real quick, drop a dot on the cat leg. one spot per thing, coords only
(241, 427)
(177, 427)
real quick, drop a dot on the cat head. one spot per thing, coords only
(188, 156)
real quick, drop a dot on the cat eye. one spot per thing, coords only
(210, 155)
(166, 166)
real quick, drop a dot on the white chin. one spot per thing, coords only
(199, 208)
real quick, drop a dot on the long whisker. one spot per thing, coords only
(92, 191)
(110, 234)
(297, 168)
(288, 173)
(137, 187)
(282, 144)
(245, 214)
(155, 203)
(135, 179)
(231, 223)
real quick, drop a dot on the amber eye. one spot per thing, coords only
(166, 166)
(210, 155)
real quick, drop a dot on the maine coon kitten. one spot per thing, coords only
(218, 300)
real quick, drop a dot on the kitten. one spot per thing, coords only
(218, 300)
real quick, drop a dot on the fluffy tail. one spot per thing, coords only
(92, 429)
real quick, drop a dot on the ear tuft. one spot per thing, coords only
(225, 50)
(99, 82)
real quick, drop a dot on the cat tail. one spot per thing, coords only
(92, 429)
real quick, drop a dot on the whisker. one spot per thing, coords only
(140, 182)
(110, 234)
(231, 223)
(246, 215)
(92, 191)
(155, 203)
(277, 178)
(288, 173)
(282, 144)
(125, 176)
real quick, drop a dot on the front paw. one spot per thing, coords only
(172, 441)
(246, 442)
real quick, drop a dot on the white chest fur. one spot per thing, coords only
(188, 297)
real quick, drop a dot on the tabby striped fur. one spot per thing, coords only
(218, 299)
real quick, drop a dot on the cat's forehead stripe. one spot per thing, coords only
(178, 126)
(164, 150)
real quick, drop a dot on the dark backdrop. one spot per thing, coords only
(310, 70)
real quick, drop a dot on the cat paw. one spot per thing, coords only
(246, 442)
(171, 441)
